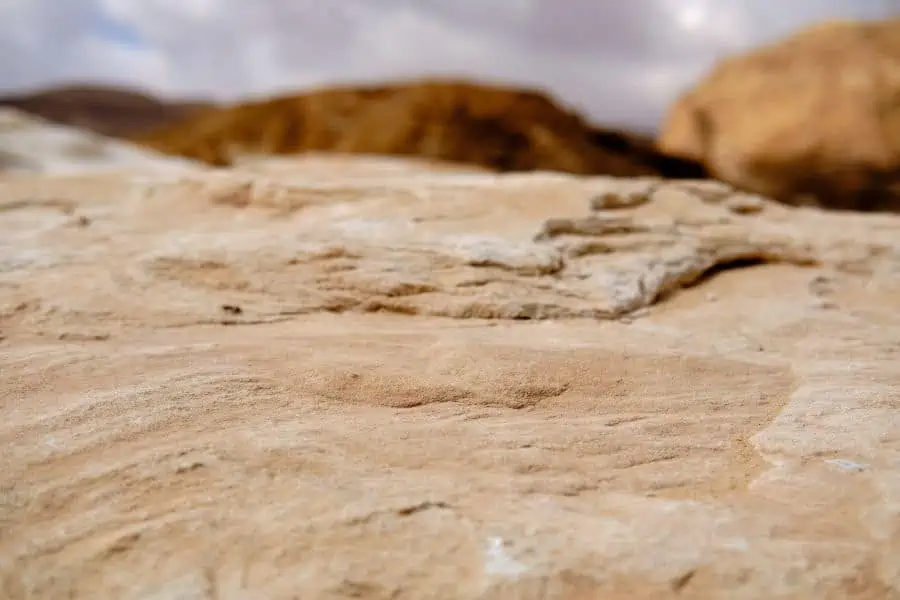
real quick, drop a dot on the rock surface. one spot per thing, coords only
(366, 379)
(499, 128)
(102, 109)
(31, 144)
(811, 120)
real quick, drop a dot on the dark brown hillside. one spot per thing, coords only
(106, 110)
(500, 128)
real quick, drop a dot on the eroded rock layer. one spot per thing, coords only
(352, 378)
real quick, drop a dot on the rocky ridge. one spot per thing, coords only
(102, 109)
(490, 126)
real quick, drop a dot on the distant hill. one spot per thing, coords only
(500, 128)
(107, 110)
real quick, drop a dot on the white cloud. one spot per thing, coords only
(622, 62)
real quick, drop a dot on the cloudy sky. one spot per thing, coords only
(621, 62)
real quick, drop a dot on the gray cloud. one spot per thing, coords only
(620, 62)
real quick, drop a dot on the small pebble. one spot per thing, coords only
(232, 309)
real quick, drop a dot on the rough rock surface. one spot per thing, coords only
(29, 143)
(811, 120)
(356, 379)
(500, 128)
(102, 109)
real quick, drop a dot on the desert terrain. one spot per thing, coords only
(561, 367)
(363, 377)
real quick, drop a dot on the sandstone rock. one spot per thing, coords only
(357, 380)
(813, 119)
(31, 144)
(105, 110)
(499, 128)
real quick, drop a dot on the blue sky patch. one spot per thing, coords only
(118, 32)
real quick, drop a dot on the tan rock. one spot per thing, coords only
(813, 119)
(29, 143)
(363, 381)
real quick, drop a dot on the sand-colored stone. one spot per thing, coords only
(360, 378)
(31, 144)
(491, 126)
(813, 119)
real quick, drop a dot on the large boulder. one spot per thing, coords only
(500, 128)
(355, 378)
(813, 119)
